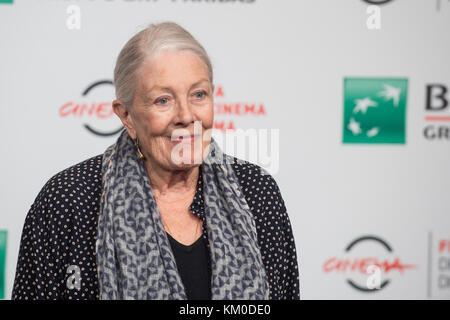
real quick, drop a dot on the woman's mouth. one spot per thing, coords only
(185, 139)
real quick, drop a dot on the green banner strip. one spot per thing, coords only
(3, 234)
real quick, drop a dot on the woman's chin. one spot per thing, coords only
(188, 156)
(187, 162)
(184, 166)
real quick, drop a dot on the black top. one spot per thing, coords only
(194, 267)
(60, 233)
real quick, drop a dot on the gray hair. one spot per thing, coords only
(146, 44)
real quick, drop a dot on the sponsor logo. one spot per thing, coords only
(363, 256)
(437, 114)
(374, 110)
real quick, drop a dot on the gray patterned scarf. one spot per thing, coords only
(134, 257)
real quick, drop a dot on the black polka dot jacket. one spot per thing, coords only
(59, 235)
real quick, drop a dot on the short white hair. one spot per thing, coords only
(165, 36)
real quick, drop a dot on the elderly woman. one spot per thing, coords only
(162, 213)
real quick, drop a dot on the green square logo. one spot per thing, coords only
(6, 1)
(3, 234)
(374, 110)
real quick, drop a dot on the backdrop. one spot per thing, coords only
(347, 102)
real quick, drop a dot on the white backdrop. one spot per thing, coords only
(291, 57)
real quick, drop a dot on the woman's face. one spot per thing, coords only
(173, 93)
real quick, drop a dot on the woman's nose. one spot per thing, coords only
(184, 113)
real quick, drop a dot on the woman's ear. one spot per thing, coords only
(122, 112)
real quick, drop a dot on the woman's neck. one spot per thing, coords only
(171, 184)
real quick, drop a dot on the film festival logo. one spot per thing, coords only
(366, 272)
(94, 109)
(443, 271)
(374, 110)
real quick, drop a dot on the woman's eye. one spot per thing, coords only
(200, 94)
(162, 100)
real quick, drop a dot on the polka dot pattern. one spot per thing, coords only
(57, 251)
